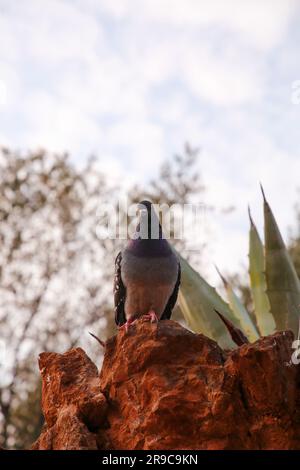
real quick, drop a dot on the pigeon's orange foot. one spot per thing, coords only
(151, 316)
(126, 325)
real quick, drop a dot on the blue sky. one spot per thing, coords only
(132, 80)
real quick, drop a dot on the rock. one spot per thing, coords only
(71, 401)
(163, 387)
(68, 433)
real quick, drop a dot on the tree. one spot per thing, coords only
(51, 282)
(55, 271)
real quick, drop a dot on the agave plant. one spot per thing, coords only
(275, 290)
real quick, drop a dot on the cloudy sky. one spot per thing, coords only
(132, 80)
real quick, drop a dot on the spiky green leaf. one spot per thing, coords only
(197, 301)
(283, 285)
(236, 334)
(264, 318)
(242, 318)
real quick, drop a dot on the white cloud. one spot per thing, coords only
(132, 80)
(9, 87)
(142, 142)
(8, 43)
(222, 79)
(52, 31)
(260, 23)
(105, 87)
(3, 94)
(58, 127)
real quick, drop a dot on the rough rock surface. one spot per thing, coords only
(163, 387)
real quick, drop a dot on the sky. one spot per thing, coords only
(132, 80)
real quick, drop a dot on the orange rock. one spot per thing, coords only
(163, 387)
(72, 403)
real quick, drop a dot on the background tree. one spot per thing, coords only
(51, 282)
(55, 271)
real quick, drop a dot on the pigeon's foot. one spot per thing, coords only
(151, 316)
(126, 325)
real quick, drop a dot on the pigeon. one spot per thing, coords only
(147, 273)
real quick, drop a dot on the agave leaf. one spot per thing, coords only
(283, 285)
(197, 301)
(241, 316)
(264, 318)
(236, 334)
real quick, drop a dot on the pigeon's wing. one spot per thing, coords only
(119, 293)
(173, 298)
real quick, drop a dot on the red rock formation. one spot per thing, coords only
(163, 387)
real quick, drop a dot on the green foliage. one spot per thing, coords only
(275, 290)
(283, 285)
(294, 251)
(264, 318)
(197, 301)
(242, 318)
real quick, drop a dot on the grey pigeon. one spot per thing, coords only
(147, 273)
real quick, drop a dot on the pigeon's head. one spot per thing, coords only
(149, 226)
(146, 211)
(148, 239)
(145, 206)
